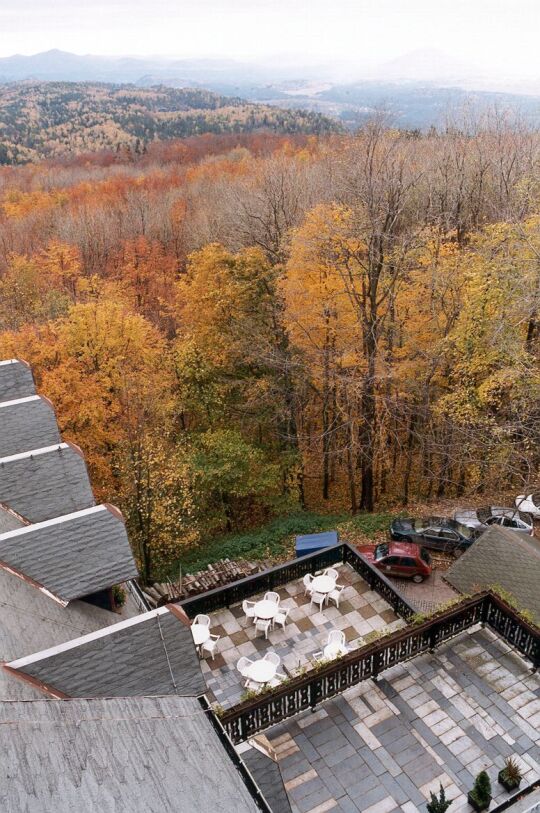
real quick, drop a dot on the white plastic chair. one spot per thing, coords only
(243, 665)
(263, 625)
(336, 637)
(308, 578)
(270, 596)
(277, 680)
(335, 595)
(272, 657)
(248, 608)
(203, 620)
(330, 571)
(210, 645)
(252, 684)
(318, 598)
(282, 616)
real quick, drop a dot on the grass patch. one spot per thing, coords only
(275, 540)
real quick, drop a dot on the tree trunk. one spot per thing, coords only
(408, 466)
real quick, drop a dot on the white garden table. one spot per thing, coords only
(201, 633)
(266, 609)
(261, 671)
(322, 584)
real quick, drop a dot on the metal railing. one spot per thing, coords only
(308, 690)
(138, 596)
(274, 577)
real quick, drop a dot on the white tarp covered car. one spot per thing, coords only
(529, 503)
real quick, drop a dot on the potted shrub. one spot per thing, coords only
(119, 596)
(510, 776)
(480, 796)
(438, 804)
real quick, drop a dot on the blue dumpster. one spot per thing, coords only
(311, 543)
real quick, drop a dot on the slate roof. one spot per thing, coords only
(27, 423)
(150, 754)
(16, 380)
(501, 557)
(30, 621)
(46, 482)
(73, 555)
(152, 654)
(267, 775)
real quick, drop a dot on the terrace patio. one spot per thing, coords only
(361, 612)
(380, 747)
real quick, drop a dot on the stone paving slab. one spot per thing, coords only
(382, 747)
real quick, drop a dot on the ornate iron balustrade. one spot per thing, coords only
(308, 690)
(297, 568)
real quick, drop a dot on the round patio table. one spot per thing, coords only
(261, 671)
(201, 633)
(266, 609)
(322, 584)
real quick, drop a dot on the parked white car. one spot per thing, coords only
(483, 518)
(529, 503)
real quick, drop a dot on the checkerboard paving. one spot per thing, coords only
(438, 719)
(361, 611)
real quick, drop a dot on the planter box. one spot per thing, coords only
(476, 805)
(508, 786)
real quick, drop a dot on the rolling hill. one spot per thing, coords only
(44, 119)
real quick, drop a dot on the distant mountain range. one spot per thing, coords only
(417, 90)
(42, 119)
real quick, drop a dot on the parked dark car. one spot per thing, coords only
(403, 559)
(437, 533)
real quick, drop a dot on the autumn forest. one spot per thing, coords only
(236, 326)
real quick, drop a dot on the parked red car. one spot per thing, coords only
(404, 559)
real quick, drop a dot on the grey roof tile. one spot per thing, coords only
(30, 621)
(72, 555)
(152, 654)
(16, 380)
(505, 558)
(45, 483)
(128, 755)
(25, 424)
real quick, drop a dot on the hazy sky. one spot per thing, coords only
(497, 36)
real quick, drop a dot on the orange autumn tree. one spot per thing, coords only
(322, 327)
(148, 275)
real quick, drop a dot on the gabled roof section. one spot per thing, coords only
(501, 557)
(46, 482)
(27, 423)
(128, 754)
(16, 380)
(30, 621)
(152, 654)
(71, 556)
